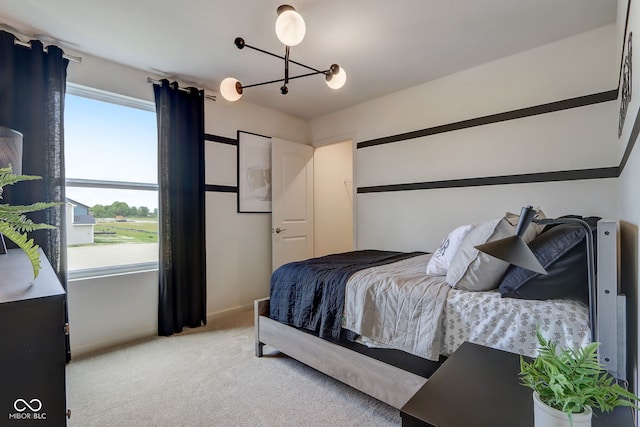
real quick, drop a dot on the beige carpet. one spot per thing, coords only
(210, 377)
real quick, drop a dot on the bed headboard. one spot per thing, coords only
(610, 302)
(629, 243)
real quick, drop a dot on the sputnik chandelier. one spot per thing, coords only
(290, 29)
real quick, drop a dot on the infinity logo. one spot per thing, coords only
(21, 405)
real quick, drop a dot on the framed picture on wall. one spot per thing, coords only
(629, 117)
(626, 74)
(254, 172)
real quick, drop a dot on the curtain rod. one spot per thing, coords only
(77, 59)
(158, 82)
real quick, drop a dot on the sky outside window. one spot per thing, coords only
(105, 141)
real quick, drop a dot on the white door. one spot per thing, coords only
(292, 202)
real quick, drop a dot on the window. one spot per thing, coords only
(112, 183)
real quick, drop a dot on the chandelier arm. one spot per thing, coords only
(283, 58)
(286, 65)
(307, 67)
(281, 80)
(309, 74)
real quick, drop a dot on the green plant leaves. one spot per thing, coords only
(14, 224)
(570, 379)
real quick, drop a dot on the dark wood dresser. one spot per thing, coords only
(32, 344)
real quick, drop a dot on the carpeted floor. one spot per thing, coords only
(211, 377)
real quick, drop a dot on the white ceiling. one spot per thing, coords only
(384, 46)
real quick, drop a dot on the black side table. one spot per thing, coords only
(478, 386)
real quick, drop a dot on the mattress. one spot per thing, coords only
(510, 324)
(399, 306)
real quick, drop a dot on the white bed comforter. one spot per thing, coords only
(397, 305)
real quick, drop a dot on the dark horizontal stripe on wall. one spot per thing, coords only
(221, 139)
(221, 188)
(527, 178)
(564, 104)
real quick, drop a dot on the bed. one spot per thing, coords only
(389, 319)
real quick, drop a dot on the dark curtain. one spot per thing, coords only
(183, 293)
(32, 90)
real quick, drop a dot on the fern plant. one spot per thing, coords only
(571, 379)
(14, 225)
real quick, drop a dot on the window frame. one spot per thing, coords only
(127, 101)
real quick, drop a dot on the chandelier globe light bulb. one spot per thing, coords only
(231, 89)
(337, 77)
(290, 27)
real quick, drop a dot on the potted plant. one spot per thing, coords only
(568, 383)
(14, 225)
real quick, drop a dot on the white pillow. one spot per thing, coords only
(473, 270)
(441, 258)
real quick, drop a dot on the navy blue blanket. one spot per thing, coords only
(310, 294)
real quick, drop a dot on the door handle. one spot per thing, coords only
(280, 230)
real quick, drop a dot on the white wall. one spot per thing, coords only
(106, 311)
(580, 65)
(570, 139)
(629, 190)
(77, 234)
(109, 310)
(419, 220)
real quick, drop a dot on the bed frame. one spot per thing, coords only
(387, 383)
(611, 314)
(396, 386)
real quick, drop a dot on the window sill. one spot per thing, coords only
(116, 270)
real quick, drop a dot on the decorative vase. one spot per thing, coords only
(546, 416)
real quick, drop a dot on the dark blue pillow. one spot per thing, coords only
(561, 249)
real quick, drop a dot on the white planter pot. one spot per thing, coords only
(546, 416)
